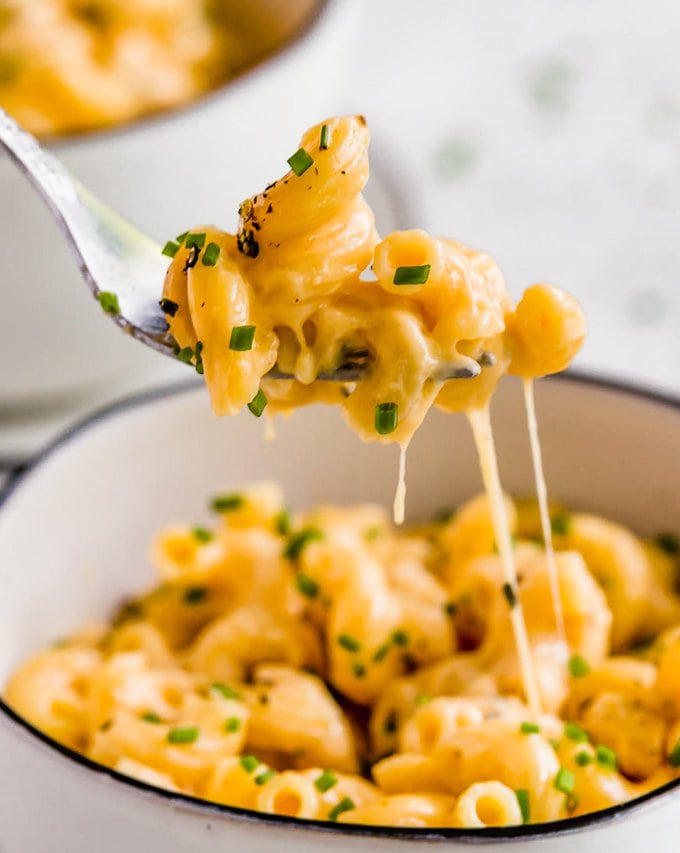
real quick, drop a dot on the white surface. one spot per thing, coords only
(98, 499)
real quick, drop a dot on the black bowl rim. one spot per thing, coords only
(204, 808)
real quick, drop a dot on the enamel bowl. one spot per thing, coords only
(75, 531)
(165, 173)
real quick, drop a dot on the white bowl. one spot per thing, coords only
(165, 173)
(75, 529)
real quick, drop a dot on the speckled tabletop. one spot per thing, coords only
(548, 134)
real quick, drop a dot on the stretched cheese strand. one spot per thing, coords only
(481, 429)
(542, 495)
(399, 507)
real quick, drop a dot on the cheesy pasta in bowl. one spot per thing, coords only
(299, 664)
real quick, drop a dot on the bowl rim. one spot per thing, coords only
(202, 808)
(268, 63)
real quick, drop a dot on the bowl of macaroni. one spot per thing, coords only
(226, 642)
(144, 101)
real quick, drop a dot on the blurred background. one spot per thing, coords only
(547, 134)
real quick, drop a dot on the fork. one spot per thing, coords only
(114, 257)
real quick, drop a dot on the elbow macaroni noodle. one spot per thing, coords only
(241, 680)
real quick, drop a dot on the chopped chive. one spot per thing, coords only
(523, 799)
(575, 733)
(197, 240)
(225, 691)
(194, 594)
(182, 237)
(326, 781)
(151, 717)
(606, 757)
(298, 541)
(561, 524)
(510, 594)
(554, 742)
(325, 137)
(185, 354)
(564, 780)
(443, 516)
(386, 418)
(202, 535)
(583, 759)
(423, 699)
(572, 803)
(300, 162)
(258, 404)
(674, 756)
(578, 666)
(263, 778)
(282, 522)
(249, 763)
(346, 804)
(233, 724)
(170, 249)
(529, 728)
(183, 734)
(390, 723)
(372, 533)
(411, 275)
(168, 307)
(381, 653)
(242, 338)
(226, 503)
(359, 670)
(306, 586)
(668, 542)
(400, 637)
(108, 301)
(210, 255)
(348, 642)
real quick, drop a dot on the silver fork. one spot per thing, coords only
(114, 257)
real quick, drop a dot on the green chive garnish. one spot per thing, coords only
(583, 759)
(300, 162)
(381, 653)
(182, 237)
(575, 733)
(306, 586)
(197, 240)
(258, 404)
(564, 780)
(372, 533)
(606, 757)
(423, 699)
(233, 724)
(359, 670)
(226, 503)
(578, 666)
(668, 542)
(386, 418)
(411, 275)
(263, 778)
(194, 594)
(241, 338)
(443, 516)
(560, 524)
(183, 734)
(168, 307)
(225, 691)
(282, 522)
(346, 804)
(400, 637)
(347, 641)
(523, 799)
(300, 540)
(185, 354)
(170, 249)
(202, 535)
(573, 802)
(326, 781)
(529, 728)
(151, 717)
(108, 301)
(325, 137)
(210, 255)
(674, 757)
(249, 763)
(554, 742)
(510, 594)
